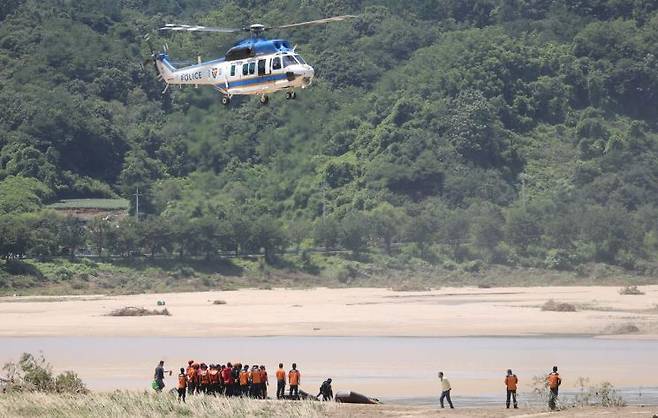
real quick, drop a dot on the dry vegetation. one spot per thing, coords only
(136, 311)
(630, 290)
(554, 306)
(410, 287)
(219, 302)
(136, 404)
(620, 329)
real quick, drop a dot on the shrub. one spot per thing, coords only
(34, 374)
(135, 311)
(630, 290)
(219, 302)
(410, 287)
(554, 306)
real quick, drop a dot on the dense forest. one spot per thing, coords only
(437, 132)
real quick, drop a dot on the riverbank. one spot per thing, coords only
(446, 312)
(135, 404)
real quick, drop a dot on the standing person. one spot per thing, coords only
(554, 381)
(204, 379)
(182, 385)
(280, 382)
(159, 376)
(235, 375)
(227, 379)
(214, 379)
(264, 381)
(256, 380)
(244, 381)
(326, 391)
(191, 377)
(511, 382)
(445, 390)
(294, 379)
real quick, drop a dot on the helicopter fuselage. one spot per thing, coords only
(249, 68)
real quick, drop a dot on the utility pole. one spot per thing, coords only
(137, 194)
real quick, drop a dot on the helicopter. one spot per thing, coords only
(252, 66)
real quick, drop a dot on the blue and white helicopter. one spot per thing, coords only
(253, 66)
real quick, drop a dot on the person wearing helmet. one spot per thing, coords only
(554, 381)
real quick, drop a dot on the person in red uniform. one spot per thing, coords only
(192, 368)
(227, 379)
(264, 382)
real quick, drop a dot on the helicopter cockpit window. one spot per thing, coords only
(252, 67)
(288, 60)
(300, 59)
(276, 63)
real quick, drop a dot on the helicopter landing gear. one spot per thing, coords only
(226, 100)
(291, 95)
(264, 99)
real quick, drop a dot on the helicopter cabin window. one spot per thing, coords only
(261, 67)
(252, 67)
(245, 69)
(300, 59)
(232, 70)
(276, 63)
(288, 60)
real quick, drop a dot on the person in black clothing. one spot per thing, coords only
(326, 391)
(159, 376)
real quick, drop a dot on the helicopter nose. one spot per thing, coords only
(307, 74)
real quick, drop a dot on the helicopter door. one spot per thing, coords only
(261, 67)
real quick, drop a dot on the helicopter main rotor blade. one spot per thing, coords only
(315, 22)
(195, 28)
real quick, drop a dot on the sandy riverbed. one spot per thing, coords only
(341, 312)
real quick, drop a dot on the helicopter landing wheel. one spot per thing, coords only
(264, 99)
(226, 100)
(291, 95)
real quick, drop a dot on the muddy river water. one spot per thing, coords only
(391, 368)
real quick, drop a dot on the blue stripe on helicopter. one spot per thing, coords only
(257, 80)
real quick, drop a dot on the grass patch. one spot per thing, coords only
(149, 404)
(554, 306)
(630, 290)
(136, 311)
(105, 204)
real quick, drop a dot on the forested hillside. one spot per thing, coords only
(455, 134)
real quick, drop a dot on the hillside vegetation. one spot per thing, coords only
(451, 135)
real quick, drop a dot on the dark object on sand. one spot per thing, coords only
(303, 396)
(353, 397)
(135, 311)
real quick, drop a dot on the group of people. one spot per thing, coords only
(553, 382)
(229, 380)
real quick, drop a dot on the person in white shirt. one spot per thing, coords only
(445, 390)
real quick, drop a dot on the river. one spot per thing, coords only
(400, 369)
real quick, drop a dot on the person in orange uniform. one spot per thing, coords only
(511, 382)
(294, 379)
(244, 381)
(214, 379)
(264, 382)
(204, 379)
(554, 381)
(256, 380)
(280, 382)
(192, 368)
(181, 386)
